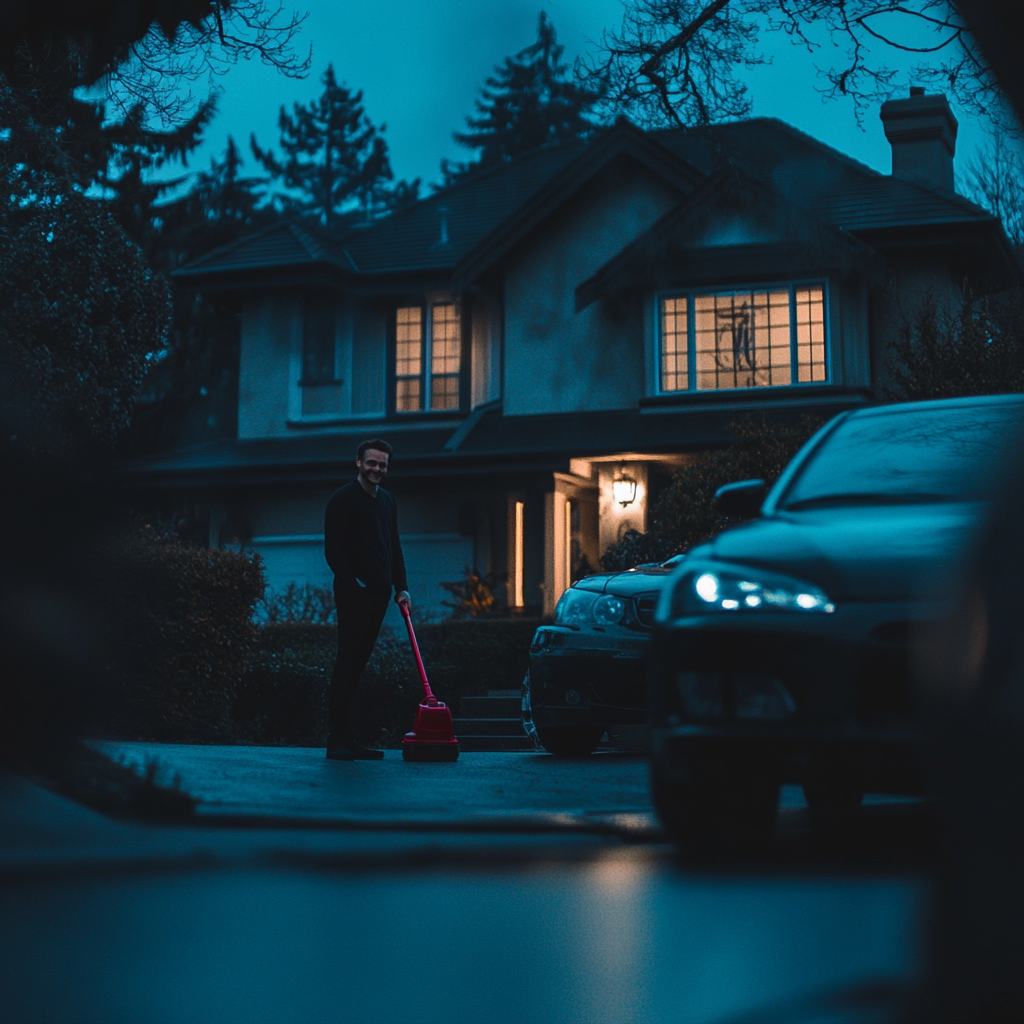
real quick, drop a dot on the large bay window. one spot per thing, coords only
(428, 357)
(742, 338)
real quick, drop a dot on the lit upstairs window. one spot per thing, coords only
(445, 356)
(743, 339)
(674, 345)
(428, 357)
(409, 359)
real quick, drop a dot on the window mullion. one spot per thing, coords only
(794, 357)
(691, 341)
(428, 353)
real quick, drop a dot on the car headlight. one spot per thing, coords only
(574, 606)
(583, 608)
(608, 610)
(708, 587)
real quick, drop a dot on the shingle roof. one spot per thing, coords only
(472, 209)
(409, 239)
(842, 191)
(839, 190)
(292, 243)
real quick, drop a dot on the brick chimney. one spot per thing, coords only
(922, 133)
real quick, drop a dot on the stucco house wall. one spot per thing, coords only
(558, 360)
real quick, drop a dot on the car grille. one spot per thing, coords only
(619, 682)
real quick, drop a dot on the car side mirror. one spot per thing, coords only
(741, 500)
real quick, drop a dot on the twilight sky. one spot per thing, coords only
(421, 62)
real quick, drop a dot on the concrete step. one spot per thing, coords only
(488, 727)
(491, 707)
(480, 743)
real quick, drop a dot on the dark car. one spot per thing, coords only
(589, 670)
(782, 650)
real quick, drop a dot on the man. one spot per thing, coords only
(365, 554)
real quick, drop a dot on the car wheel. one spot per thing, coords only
(832, 799)
(717, 807)
(568, 742)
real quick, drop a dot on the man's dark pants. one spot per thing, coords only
(360, 614)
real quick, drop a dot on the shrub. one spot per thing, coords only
(187, 634)
(283, 699)
(976, 350)
(474, 595)
(684, 516)
(309, 605)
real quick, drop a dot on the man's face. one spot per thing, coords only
(373, 466)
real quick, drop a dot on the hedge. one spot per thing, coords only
(185, 636)
(281, 697)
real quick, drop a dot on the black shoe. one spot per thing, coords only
(349, 750)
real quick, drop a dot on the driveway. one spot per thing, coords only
(504, 887)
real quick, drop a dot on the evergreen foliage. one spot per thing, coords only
(683, 515)
(530, 101)
(187, 631)
(83, 310)
(335, 159)
(976, 349)
(191, 392)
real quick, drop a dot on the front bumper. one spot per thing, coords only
(849, 675)
(883, 761)
(587, 679)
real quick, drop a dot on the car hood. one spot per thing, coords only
(626, 584)
(868, 554)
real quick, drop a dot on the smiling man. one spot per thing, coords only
(364, 552)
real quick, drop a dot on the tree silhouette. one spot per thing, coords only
(335, 159)
(530, 101)
(676, 63)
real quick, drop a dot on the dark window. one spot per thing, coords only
(318, 358)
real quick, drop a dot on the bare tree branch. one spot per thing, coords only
(679, 62)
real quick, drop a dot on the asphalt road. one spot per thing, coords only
(505, 887)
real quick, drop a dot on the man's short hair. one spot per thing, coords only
(377, 445)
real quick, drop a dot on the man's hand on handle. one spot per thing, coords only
(402, 598)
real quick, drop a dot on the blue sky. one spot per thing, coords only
(420, 64)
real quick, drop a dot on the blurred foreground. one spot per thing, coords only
(504, 887)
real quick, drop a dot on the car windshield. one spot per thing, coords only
(908, 456)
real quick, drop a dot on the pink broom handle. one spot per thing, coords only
(431, 699)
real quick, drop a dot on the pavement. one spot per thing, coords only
(504, 887)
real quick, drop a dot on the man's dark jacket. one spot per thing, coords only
(361, 540)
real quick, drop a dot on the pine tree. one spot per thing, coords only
(334, 157)
(222, 205)
(133, 195)
(529, 101)
(191, 391)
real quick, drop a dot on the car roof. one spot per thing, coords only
(936, 404)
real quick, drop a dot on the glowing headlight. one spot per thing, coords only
(713, 588)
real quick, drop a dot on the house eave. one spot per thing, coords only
(624, 139)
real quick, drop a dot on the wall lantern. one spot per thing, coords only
(624, 490)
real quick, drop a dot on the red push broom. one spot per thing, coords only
(432, 737)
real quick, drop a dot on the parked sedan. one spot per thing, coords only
(783, 648)
(589, 670)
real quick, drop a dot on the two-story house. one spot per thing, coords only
(543, 342)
